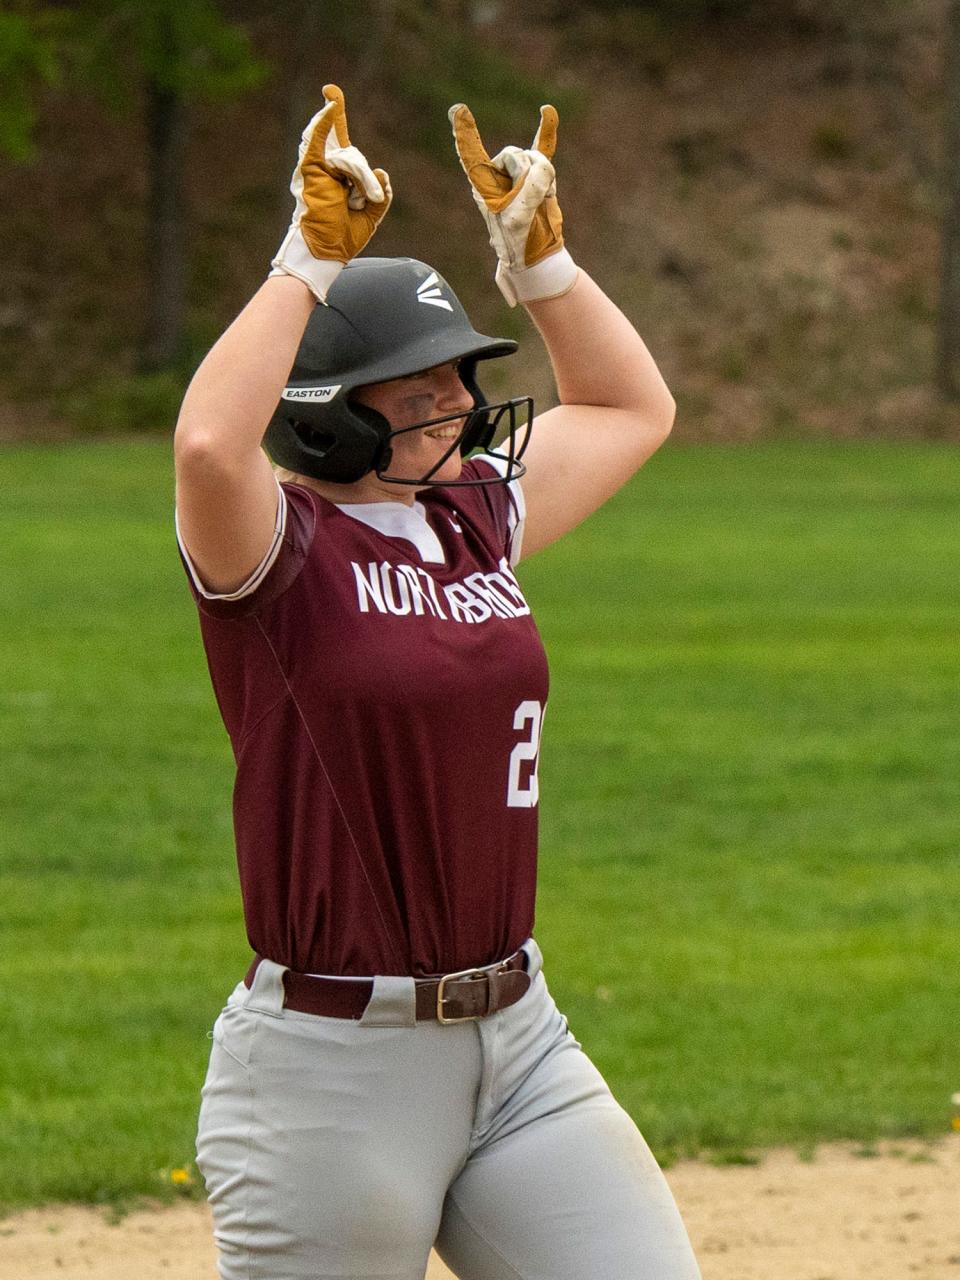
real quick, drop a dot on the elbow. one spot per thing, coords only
(210, 455)
(659, 418)
(667, 415)
(199, 451)
(653, 425)
(655, 409)
(193, 446)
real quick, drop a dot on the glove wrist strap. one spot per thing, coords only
(295, 259)
(551, 277)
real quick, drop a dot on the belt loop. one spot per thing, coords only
(392, 1003)
(266, 991)
(534, 957)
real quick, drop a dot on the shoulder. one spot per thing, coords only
(294, 534)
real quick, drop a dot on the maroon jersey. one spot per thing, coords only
(383, 685)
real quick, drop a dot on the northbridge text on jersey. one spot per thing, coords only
(407, 589)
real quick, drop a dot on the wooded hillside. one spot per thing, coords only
(761, 189)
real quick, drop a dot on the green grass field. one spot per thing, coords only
(750, 789)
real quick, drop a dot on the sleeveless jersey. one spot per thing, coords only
(383, 685)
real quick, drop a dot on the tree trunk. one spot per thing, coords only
(948, 363)
(304, 94)
(166, 231)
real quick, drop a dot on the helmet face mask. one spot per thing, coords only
(483, 425)
(384, 319)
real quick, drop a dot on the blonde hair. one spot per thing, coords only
(288, 477)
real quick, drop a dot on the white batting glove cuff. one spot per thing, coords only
(339, 201)
(295, 259)
(551, 277)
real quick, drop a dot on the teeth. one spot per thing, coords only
(444, 433)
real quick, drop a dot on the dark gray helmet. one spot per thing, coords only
(384, 318)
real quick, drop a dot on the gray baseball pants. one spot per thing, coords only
(341, 1148)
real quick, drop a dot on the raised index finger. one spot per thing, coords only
(546, 140)
(466, 136)
(333, 93)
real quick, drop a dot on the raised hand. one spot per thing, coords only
(340, 200)
(516, 192)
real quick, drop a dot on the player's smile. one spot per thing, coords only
(422, 397)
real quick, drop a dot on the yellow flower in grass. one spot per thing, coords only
(181, 1177)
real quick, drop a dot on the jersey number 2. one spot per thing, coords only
(524, 791)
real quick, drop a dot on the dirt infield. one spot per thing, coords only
(839, 1216)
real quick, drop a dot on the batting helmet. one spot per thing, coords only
(384, 318)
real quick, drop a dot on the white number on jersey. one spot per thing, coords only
(527, 719)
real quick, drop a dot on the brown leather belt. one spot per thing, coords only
(454, 997)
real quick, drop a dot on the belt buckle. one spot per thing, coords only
(451, 977)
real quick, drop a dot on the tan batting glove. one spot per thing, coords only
(340, 200)
(516, 192)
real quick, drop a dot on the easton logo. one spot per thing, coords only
(429, 292)
(320, 395)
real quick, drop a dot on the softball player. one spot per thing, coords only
(392, 1072)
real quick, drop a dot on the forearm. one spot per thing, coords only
(597, 355)
(236, 389)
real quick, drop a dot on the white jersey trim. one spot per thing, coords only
(397, 520)
(518, 507)
(263, 568)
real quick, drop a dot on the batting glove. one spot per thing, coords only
(516, 192)
(340, 200)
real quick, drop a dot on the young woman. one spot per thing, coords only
(392, 1072)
